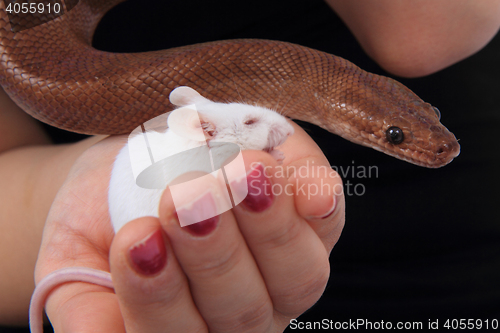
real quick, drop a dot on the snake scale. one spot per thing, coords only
(52, 72)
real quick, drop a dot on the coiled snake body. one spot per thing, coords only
(54, 74)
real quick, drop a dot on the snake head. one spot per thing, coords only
(414, 133)
(383, 114)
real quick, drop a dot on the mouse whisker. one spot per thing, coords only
(256, 103)
(233, 76)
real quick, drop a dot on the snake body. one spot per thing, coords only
(54, 74)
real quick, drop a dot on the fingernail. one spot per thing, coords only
(203, 228)
(199, 218)
(329, 212)
(260, 196)
(149, 256)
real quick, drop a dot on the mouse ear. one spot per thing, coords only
(186, 123)
(182, 96)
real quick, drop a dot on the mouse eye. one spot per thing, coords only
(395, 135)
(208, 129)
(250, 121)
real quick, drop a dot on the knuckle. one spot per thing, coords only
(297, 299)
(282, 234)
(256, 317)
(216, 264)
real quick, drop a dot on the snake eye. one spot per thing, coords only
(395, 135)
(438, 113)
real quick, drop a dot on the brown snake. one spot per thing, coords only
(54, 74)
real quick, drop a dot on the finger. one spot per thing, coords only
(318, 190)
(319, 198)
(152, 289)
(290, 255)
(224, 279)
(77, 306)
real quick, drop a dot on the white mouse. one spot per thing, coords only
(248, 126)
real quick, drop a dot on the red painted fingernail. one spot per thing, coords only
(203, 228)
(260, 195)
(200, 217)
(149, 256)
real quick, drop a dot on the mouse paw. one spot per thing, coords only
(278, 155)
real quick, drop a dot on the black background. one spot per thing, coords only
(420, 244)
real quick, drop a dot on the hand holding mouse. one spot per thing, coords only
(247, 126)
(265, 262)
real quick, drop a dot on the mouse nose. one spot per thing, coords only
(277, 135)
(288, 130)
